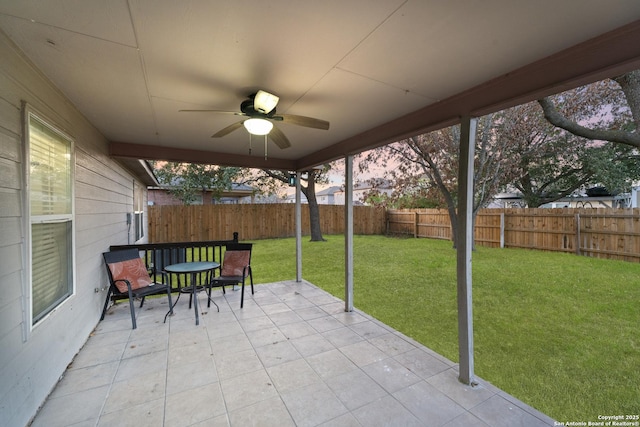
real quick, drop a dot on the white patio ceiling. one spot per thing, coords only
(377, 70)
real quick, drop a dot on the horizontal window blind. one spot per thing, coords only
(51, 209)
(51, 267)
(50, 173)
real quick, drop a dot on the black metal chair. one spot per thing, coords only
(129, 279)
(236, 268)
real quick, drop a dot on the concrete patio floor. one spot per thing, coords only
(290, 357)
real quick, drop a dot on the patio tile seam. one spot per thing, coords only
(493, 392)
(450, 366)
(375, 321)
(55, 393)
(424, 348)
(355, 408)
(319, 377)
(525, 407)
(166, 377)
(227, 410)
(109, 389)
(327, 380)
(532, 412)
(168, 366)
(480, 386)
(114, 375)
(444, 381)
(418, 415)
(280, 393)
(74, 365)
(402, 336)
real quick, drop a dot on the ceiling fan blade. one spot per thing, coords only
(236, 113)
(279, 138)
(227, 130)
(309, 122)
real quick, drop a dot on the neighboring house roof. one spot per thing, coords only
(263, 199)
(238, 189)
(593, 195)
(292, 196)
(329, 191)
(378, 184)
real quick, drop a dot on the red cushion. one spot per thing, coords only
(132, 270)
(234, 262)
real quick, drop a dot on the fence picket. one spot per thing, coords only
(253, 221)
(602, 233)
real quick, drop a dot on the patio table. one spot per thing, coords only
(193, 269)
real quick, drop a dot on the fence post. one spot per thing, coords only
(578, 234)
(415, 225)
(502, 230)
(387, 221)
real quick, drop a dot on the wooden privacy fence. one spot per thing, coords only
(601, 233)
(178, 223)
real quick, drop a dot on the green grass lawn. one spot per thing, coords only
(558, 331)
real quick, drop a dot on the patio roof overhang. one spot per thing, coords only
(377, 72)
(605, 56)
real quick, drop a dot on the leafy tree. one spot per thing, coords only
(554, 163)
(608, 110)
(424, 163)
(270, 181)
(517, 148)
(412, 192)
(589, 138)
(186, 181)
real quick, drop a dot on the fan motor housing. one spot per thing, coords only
(247, 108)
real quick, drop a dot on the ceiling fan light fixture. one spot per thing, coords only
(258, 126)
(264, 102)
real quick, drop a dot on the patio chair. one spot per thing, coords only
(236, 268)
(129, 279)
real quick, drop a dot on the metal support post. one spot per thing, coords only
(348, 234)
(464, 245)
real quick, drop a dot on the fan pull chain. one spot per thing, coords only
(249, 144)
(265, 147)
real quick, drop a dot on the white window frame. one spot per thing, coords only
(29, 324)
(138, 211)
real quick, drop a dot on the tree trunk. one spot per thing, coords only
(314, 211)
(630, 85)
(453, 219)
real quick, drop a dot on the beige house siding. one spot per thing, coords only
(33, 359)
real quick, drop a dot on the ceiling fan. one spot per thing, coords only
(260, 110)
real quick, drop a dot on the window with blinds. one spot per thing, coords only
(138, 211)
(51, 216)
